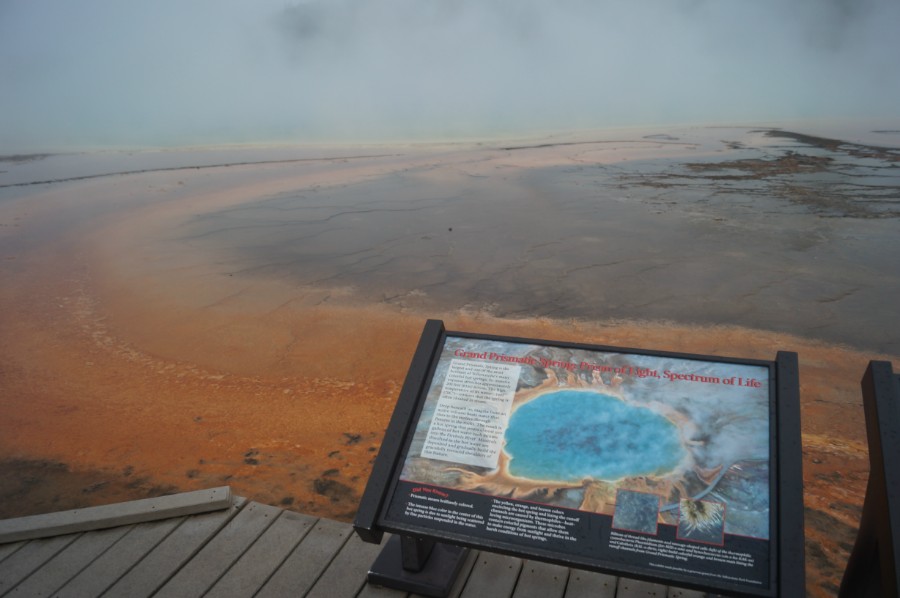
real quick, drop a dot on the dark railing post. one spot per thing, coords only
(874, 566)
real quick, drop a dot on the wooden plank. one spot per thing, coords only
(684, 593)
(265, 555)
(590, 584)
(373, 591)
(126, 513)
(492, 575)
(633, 588)
(169, 555)
(346, 574)
(199, 574)
(8, 549)
(305, 564)
(28, 559)
(68, 562)
(541, 580)
(464, 573)
(113, 564)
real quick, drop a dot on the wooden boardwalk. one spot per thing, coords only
(211, 544)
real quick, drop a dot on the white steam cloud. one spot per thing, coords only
(112, 73)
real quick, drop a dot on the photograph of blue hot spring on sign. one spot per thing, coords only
(601, 432)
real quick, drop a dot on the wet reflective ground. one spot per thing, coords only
(767, 229)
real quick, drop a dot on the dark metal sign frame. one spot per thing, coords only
(785, 551)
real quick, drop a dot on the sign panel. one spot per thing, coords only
(648, 464)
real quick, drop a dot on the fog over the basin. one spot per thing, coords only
(104, 73)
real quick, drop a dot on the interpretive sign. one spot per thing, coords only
(677, 468)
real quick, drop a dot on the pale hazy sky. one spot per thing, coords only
(90, 73)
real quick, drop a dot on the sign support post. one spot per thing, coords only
(418, 566)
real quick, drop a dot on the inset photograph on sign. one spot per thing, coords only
(701, 521)
(636, 512)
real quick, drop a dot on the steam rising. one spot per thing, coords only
(100, 72)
